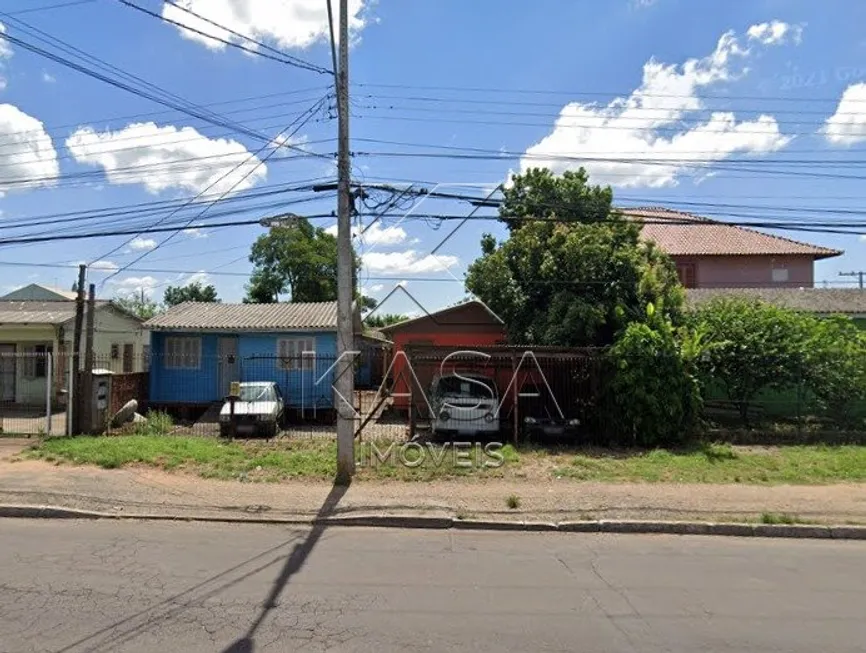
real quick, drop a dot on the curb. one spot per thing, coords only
(790, 531)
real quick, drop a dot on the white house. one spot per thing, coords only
(36, 321)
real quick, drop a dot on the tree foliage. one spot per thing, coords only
(758, 347)
(573, 271)
(142, 307)
(379, 320)
(297, 259)
(300, 260)
(193, 292)
(836, 367)
(654, 396)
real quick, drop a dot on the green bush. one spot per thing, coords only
(158, 423)
(836, 367)
(753, 347)
(653, 398)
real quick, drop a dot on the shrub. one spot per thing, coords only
(754, 346)
(836, 367)
(653, 399)
(158, 423)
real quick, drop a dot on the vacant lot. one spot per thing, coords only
(315, 458)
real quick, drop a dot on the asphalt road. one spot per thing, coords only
(159, 587)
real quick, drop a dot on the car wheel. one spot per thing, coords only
(225, 431)
(270, 430)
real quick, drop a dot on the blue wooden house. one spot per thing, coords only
(199, 349)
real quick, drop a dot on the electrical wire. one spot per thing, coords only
(60, 5)
(294, 126)
(282, 58)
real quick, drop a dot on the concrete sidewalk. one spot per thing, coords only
(147, 491)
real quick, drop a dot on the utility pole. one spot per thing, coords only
(860, 274)
(345, 323)
(75, 391)
(87, 396)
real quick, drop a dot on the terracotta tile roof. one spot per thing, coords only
(824, 301)
(200, 316)
(693, 235)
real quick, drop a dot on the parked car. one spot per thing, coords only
(259, 410)
(543, 418)
(464, 404)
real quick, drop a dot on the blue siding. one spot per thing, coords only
(256, 362)
(196, 386)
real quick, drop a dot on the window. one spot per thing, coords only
(128, 353)
(182, 353)
(115, 352)
(145, 358)
(780, 275)
(296, 353)
(36, 361)
(687, 274)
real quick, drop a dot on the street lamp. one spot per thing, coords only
(282, 220)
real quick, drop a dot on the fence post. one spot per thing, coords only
(70, 392)
(49, 389)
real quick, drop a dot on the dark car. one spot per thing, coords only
(543, 417)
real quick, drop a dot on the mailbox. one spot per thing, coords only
(100, 401)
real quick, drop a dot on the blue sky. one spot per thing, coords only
(738, 110)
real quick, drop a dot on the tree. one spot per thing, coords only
(573, 271)
(836, 368)
(300, 260)
(378, 321)
(193, 292)
(139, 305)
(756, 347)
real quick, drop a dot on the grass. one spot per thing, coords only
(513, 502)
(262, 461)
(800, 465)
(314, 458)
(779, 518)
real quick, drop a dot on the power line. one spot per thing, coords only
(60, 5)
(177, 104)
(572, 93)
(282, 58)
(134, 232)
(297, 123)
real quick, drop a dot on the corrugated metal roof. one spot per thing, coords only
(824, 301)
(693, 235)
(32, 312)
(246, 317)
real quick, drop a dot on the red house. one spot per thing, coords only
(466, 325)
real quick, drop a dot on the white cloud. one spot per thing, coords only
(133, 286)
(105, 266)
(408, 262)
(621, 136)
(377, 287)
(288, 23)
(29, 159)
(201, 277)
(143, 153)
(138, 243)
(775, 32)
(848, 125)
(5, 53)
(195, 232)
(48, 78)
(287, 146)
(375, 234)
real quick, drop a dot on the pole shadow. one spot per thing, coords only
(293, 565)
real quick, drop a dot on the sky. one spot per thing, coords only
(744, 110)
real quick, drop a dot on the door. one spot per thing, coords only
(7, 372)
(128, 358)
(228, 364)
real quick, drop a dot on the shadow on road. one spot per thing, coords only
(293, 565)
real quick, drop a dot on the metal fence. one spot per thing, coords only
(187, 395)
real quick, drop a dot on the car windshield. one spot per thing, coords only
(467, 386)
(258, 393)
